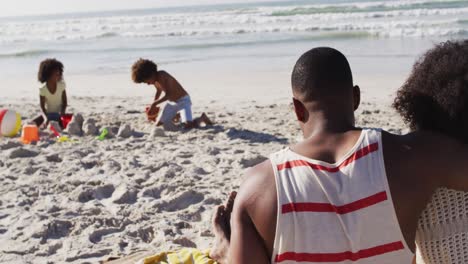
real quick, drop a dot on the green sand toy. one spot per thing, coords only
(103, 134)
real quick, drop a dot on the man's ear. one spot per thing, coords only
(300, 110)
(356, 97)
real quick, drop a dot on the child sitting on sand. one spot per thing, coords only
(178, 100)
(53, 97)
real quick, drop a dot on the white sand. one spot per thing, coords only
(86, 201)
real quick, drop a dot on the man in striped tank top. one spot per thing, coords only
(343, 194)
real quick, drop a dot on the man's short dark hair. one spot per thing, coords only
(435, 96)
(320, 71)
(142, 70)
(47, 68)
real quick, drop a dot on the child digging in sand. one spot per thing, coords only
(178, 100)
(53, 97)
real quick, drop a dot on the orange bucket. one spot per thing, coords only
(29, 134)
(66, 119)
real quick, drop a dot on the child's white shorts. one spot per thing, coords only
(183, 106)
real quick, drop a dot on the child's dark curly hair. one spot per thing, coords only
(435, 96)
(142, 70)
(47, 68)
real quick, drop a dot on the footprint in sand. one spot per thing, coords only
(84, 195)
(252, 161)
(111, 165)
(10, 145)
(194, 216)
(124, 195)
(213, 201)
(153, 192)
(54, 230)
(101, 192)
(184, 155)
(182, 225)
(88, 164)
(145, 234)
(54, 158)
(104, 192)
(183, 201)
(30, 170)
(184, 242)
(213, 151)
(239, 151)
(199, 171)
(22, 153)
(50, 249)
(96, 235)
(96, 254)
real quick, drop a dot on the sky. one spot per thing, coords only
(36, 7)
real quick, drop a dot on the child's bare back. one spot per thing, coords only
(170, 86)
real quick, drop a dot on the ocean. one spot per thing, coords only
(228, 46)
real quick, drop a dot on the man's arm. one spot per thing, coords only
(254, 217)
(246, 243)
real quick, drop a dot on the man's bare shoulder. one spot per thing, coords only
(256, 182)
(263, 169)
(257, 176)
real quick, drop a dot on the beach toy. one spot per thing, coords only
(152, 117)
(65, 119)
(59, 137)
(10, 123)
(103, 134)
(30, 134)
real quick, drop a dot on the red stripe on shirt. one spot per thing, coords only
(342, 209)
(337, 257)
(356, 155)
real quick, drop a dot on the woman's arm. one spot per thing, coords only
(64, 102)
(42, 101)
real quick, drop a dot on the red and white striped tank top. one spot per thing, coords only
(337, 213)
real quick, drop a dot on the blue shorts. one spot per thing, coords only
(54, 117)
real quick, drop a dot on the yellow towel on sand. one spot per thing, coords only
(183, 256)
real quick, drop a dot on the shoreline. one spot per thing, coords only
(203, 90)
